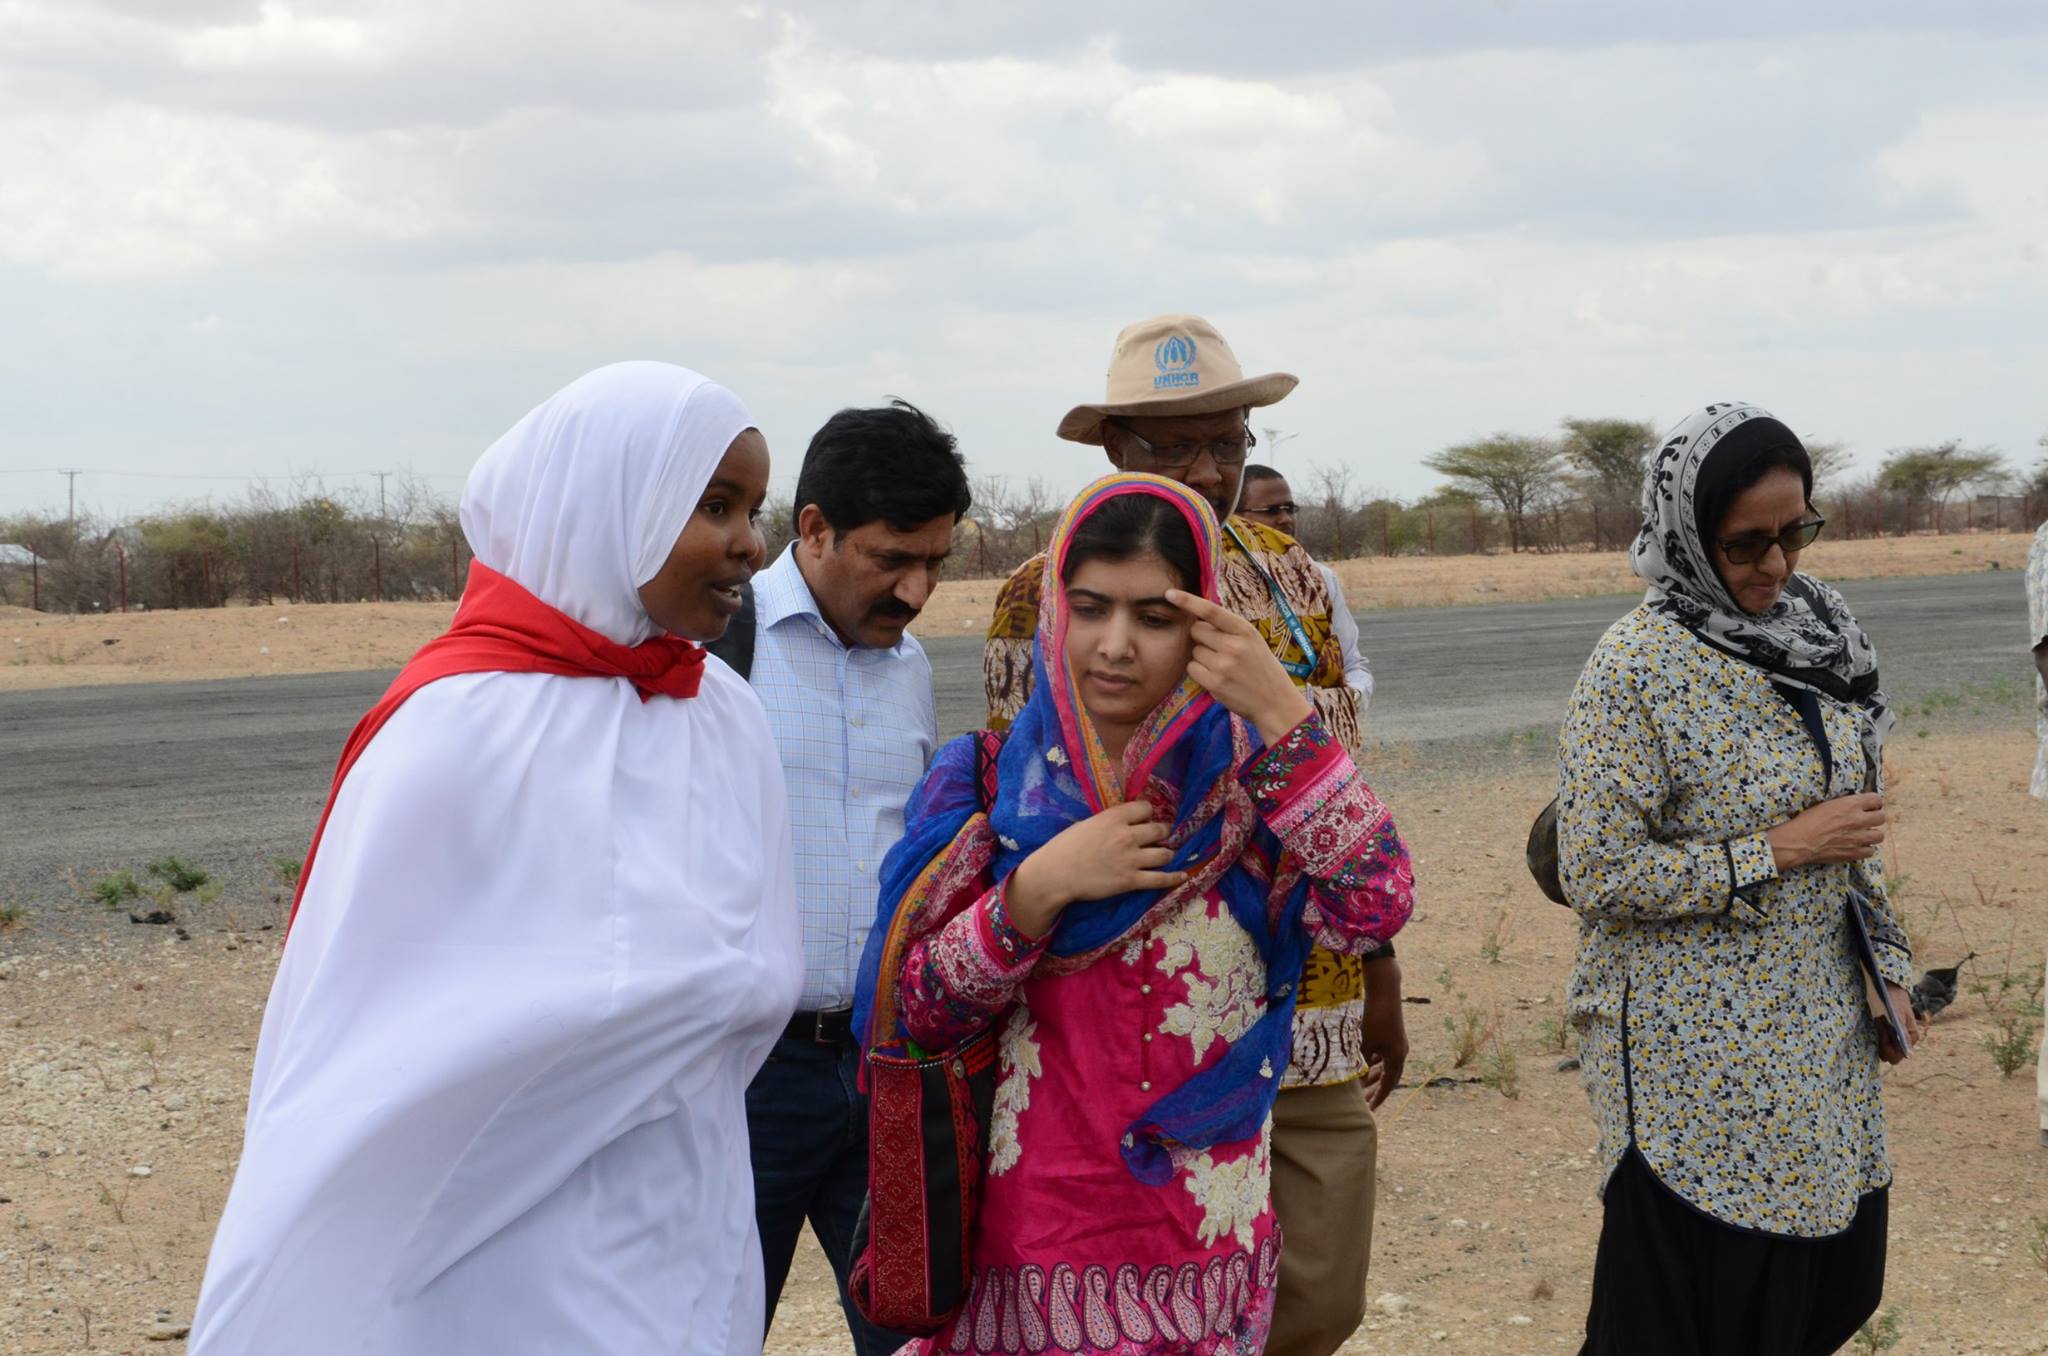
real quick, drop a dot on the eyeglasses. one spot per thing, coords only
(1751, 547)
(1272, 510)
(1180, 456)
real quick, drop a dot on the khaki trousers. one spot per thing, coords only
(1325, 1146)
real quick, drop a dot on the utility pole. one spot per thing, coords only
(1274, 437)
(71, 497)
(380, 492)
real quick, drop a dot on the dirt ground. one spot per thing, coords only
(39, 650)
(123, 1070)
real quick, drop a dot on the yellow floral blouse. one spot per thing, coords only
(1720, 1007)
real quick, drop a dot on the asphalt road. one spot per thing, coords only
(232, 774)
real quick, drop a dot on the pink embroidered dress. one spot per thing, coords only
(1107, 1223)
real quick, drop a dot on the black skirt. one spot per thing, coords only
(1671, 1280)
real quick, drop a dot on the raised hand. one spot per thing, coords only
(1235, 665)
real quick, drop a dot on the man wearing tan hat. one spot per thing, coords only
(1178, 405)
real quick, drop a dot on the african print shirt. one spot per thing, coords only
(1329, 1021)
(2037, 631)
(1720, 1007)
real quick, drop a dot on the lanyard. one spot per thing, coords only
(1299, 670)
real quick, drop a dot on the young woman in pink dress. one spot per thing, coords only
(1170, 830)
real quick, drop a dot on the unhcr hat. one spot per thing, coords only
(1168, 365)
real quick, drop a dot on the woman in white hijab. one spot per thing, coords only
(546, 936)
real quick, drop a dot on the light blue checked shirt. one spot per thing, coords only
(855, 729)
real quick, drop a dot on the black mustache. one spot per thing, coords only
(895, 608)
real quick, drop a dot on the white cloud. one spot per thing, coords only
(135, 192)
(281, 37)
(1445, 222)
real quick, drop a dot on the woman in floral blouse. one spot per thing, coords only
(1172, 828)
(1720, 815)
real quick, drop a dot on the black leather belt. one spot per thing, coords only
(833, 1026)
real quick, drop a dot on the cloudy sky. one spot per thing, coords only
(242, 239)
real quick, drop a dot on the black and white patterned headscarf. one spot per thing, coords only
(1793, 642)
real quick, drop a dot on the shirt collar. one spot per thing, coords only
(781, 593)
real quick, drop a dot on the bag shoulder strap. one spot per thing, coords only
(736, 646)
(988, 749)
(1815, 599)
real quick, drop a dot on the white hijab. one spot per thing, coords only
(499, 1097)
(581, 501)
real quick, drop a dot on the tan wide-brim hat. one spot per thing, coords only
(1171, 365)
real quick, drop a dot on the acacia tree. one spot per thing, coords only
(1932, 475)
(1612, 452)
(1830, 460)
(1518, 472)
(1609, 455)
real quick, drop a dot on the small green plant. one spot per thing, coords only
(11, 915)
(1882, 1333)
(208, 892)
(1555, 1034)
(2010, 1043)
(117, 1204)
(179, 874)
(2037, 1242)
(1501, 1070)
(1497, 937)
(1469, 1031)
(2013, 999)
(287, 869)
(116, 890)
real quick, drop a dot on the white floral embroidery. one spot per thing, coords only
(1235, 1194)
(1017, 1061)
(1226, 980)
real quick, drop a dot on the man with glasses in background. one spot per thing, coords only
(1268, 498)
(1178, 406)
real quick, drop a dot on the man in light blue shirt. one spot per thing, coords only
(849, 697)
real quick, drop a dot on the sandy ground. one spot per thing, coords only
(123, 1069)
(41, 651)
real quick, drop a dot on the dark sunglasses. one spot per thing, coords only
(1751, 547)
(1180, 456)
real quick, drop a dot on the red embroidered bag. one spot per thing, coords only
(928, 1117)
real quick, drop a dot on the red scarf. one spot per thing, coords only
(501, 628)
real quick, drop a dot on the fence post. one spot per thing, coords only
(35, 581)
(454, 567)
(1474, 506)
(1429, 518)
(377, 565)
(1386, 529)
(121, 554)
